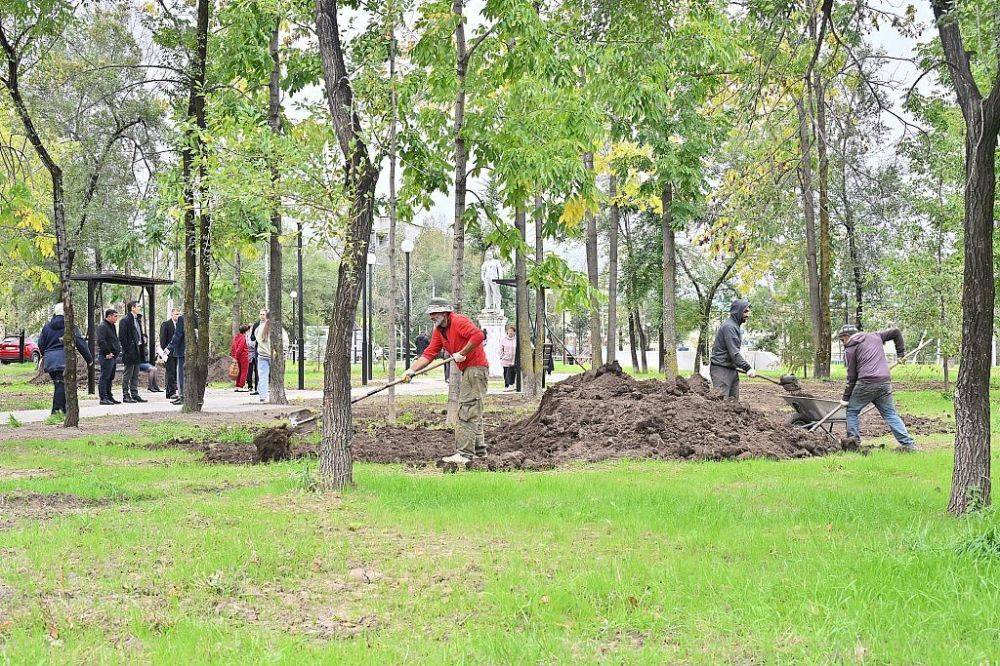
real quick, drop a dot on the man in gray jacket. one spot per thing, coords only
(726, 360)
(868, 381)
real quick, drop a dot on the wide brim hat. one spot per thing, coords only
(439, 305)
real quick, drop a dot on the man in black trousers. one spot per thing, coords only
(167, 330)
(108, 351)
(131, 341)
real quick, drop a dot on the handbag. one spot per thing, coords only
(234, 369)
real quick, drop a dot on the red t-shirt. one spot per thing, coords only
(459, 333)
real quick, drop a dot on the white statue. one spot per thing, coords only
(491, 271)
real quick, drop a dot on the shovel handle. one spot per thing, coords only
(433, 365)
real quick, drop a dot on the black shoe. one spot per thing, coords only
(254, 393)
(156, 390)
(172, 396)
(115, 402)
(128, 400)
(108, 402)
(176, 402)
(136, 398)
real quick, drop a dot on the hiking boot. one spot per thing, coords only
(481, 453)
(457, 459)
(907, 448)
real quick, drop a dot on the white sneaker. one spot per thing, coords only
(457, 458)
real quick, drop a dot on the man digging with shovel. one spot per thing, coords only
(461, 338)
(868, 381)
(726, 362)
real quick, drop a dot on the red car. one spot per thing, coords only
(10, 346)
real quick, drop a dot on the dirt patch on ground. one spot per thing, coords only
(607, 414)
(18, 506)
(8, 474)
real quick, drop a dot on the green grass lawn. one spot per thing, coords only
(166, 560)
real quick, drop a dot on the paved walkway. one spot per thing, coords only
(227, 401)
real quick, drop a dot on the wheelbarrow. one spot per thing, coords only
(816, 414)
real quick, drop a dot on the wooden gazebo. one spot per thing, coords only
(94, 281)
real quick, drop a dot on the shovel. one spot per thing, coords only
(788, 382)
(870, 407)
(433, 365)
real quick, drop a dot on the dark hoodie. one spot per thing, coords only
(729, 339)
(864, 355)
(50, 344)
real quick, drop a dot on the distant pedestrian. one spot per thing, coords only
(508, 349)
(869, 382)
(238, 350)
(726, 360)
(109, 348)
(176, 350)
(50, 344)
(130, 336)
(263, 355)
(167, 329)
(253, 372)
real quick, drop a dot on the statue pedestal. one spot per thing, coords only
(493, 322)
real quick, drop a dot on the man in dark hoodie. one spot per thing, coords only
(726, 360)
(868, 381)
(50, 343)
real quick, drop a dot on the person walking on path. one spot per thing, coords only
(253, 373)
(50, 344)
(130, 336)
(176, 350)
(869, 382)
(508, 348)
(109, 348)
(263, 355)
(167, 329)
(238, 350)
(457, 335)
(726, 360)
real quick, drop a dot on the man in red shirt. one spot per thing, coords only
(458, 336)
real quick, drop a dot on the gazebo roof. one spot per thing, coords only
(121, 278)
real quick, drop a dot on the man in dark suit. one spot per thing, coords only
(167, 330)
(176, 350)
(130, 336)
(108, 350)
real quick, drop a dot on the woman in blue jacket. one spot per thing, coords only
(50, 345)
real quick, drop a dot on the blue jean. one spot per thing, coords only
(264, 375)
(881, 396)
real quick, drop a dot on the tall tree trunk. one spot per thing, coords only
(668, 347)
(632, 341)
(461, 186)
(970, 483)
(526, 354)
(64, 252)
(970, 486)
(643, 340)
(613, 223)
(393, 277)
(852, 247)
(237, 293)
(196, 226)
(335, 464)
(540, 322)
(825, 248)
(276, 385)
(596, 343)
(808, 209)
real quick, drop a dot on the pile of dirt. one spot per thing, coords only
(273, 447)
(606, 414)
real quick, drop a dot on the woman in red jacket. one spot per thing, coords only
(238, 350)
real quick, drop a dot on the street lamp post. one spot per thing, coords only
(364, 333)
(302, 333)
(371, 313)
(407, 248)
(294, 295)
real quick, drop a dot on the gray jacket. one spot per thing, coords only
(729, 339)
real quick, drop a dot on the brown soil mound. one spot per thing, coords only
(607, 414)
